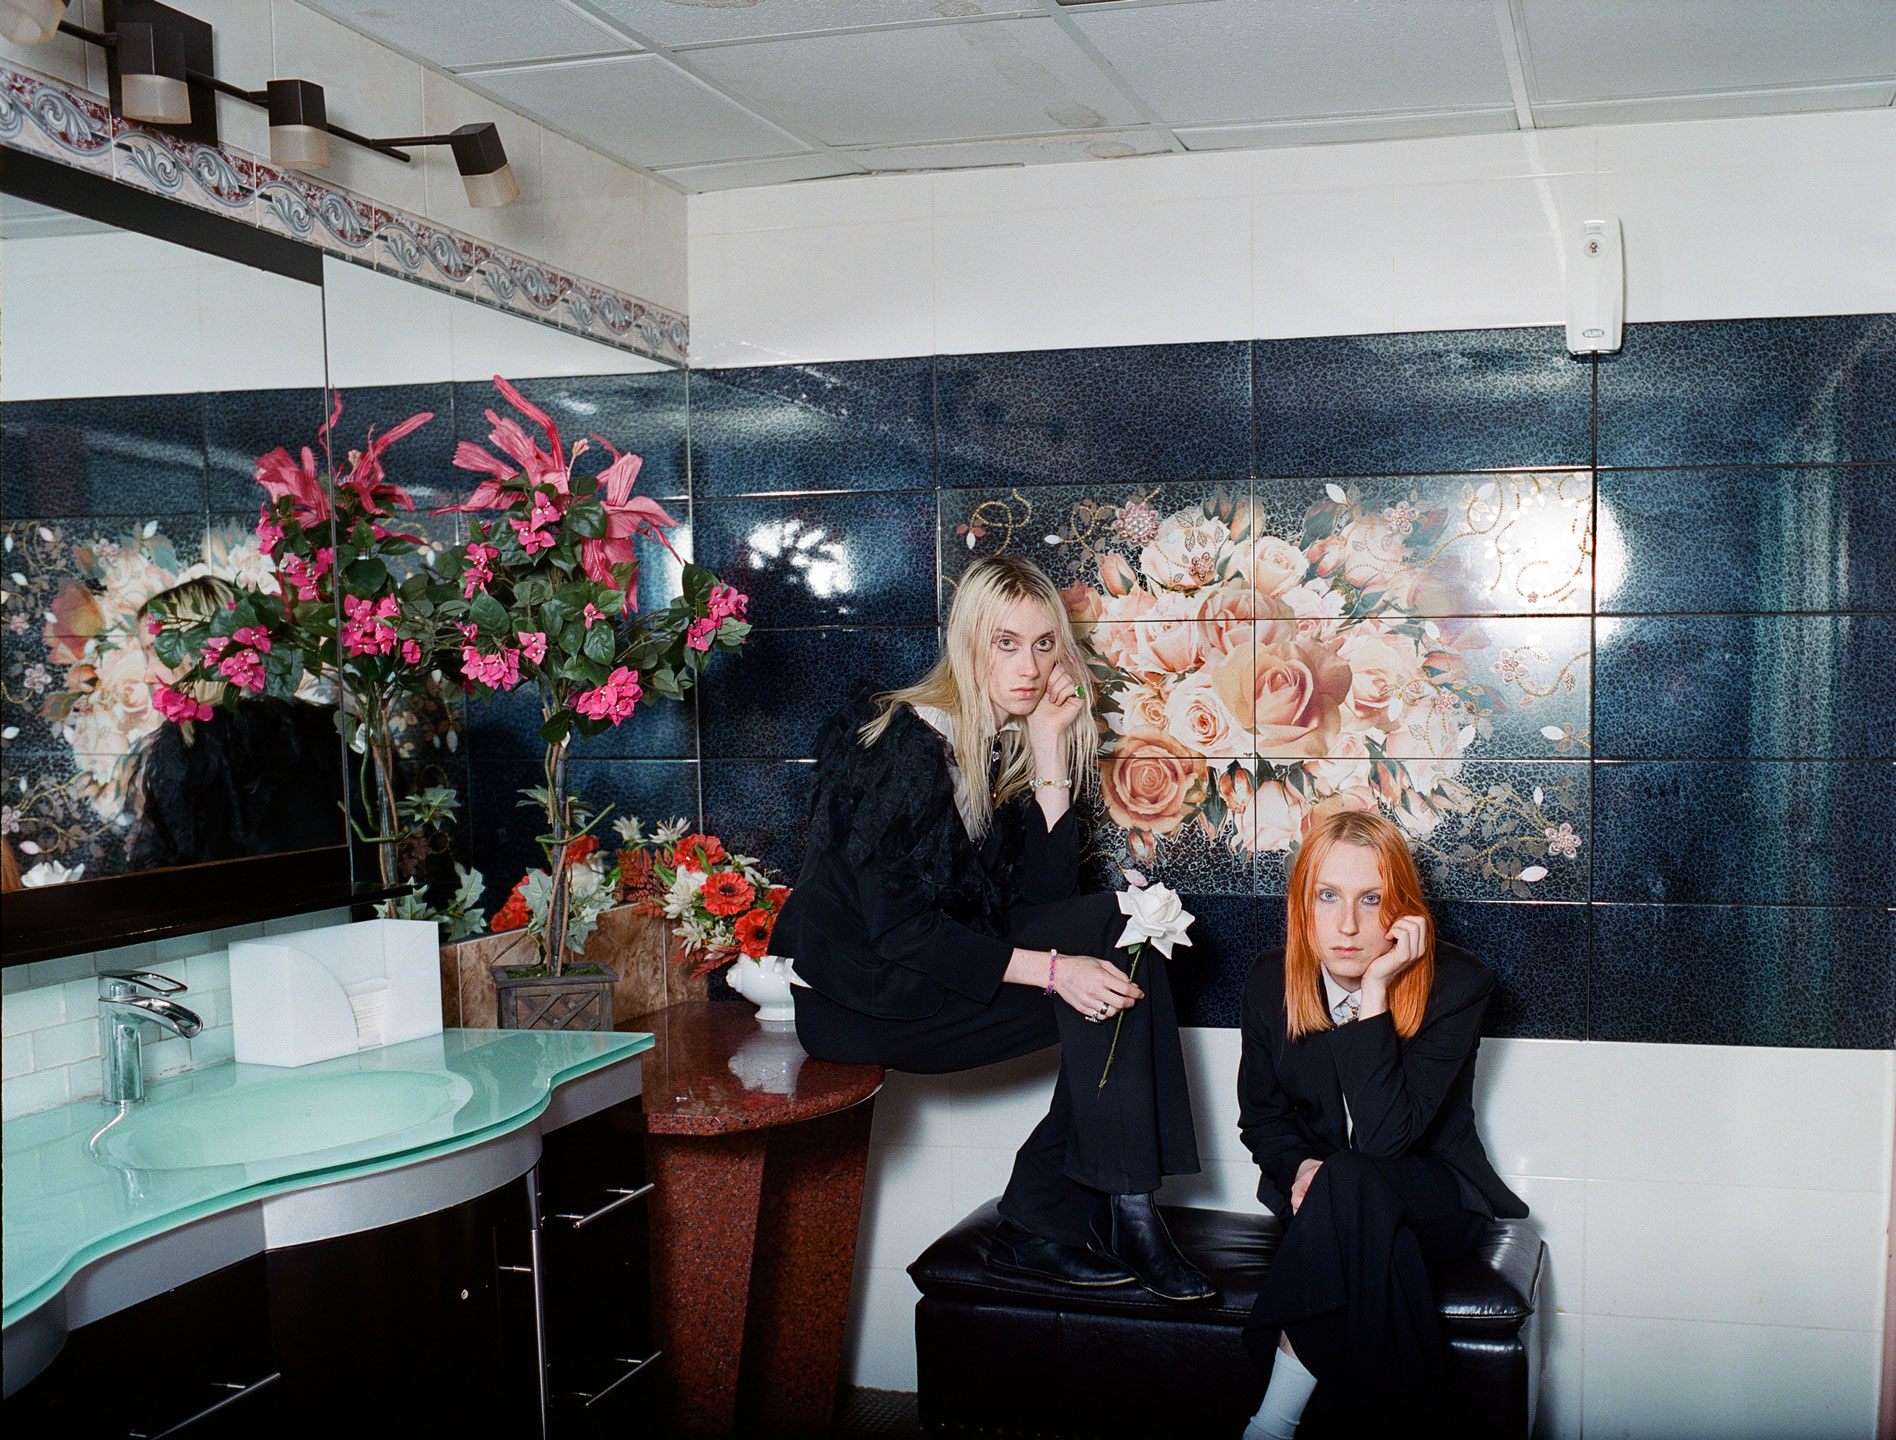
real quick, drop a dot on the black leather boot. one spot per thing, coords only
(1133, 1233)
(1016, 1250)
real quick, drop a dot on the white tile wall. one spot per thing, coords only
(1783, 215)
(1735, 1198)
(49, 1013)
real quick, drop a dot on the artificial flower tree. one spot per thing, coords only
(545, 593)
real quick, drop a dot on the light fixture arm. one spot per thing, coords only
(260, 98)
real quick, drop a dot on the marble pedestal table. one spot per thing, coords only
(757, 1155)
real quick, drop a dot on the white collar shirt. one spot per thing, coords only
(1343, 1005)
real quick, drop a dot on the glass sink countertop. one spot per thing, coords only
(82, 1181)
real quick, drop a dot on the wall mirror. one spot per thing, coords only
(150, 355)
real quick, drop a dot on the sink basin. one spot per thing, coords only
(249, 1124)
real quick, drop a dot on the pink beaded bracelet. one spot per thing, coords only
(1053, 963)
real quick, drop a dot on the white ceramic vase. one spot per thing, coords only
(766, 982)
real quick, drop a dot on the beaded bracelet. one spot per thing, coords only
(1053, 963)
(1053, 784)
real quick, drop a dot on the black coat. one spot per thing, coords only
(895, 905)
(1407, 1097)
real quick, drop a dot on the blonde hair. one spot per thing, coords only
(1304, 1008)
(956, 683)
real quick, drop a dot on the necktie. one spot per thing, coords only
(1347, 1008)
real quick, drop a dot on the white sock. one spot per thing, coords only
(1284, 1400)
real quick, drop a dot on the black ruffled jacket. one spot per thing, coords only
(895, 905)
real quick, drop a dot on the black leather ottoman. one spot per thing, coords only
(1005, 1355)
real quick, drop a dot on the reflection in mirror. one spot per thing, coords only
(435, 777)
(141, 381)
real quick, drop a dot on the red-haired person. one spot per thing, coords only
(1355, 1098)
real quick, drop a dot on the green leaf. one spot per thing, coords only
(585, 519)
(489, 613)
(555, 729)
(584, 485)
(600, 644)
(415, 587)
(368, 575)
(572, 638)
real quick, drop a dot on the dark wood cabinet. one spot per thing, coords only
(427, 1326)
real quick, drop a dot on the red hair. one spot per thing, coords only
(1304, 1007)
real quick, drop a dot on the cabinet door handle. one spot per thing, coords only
(625, 1197)
(600, 1394)
(238, 1392)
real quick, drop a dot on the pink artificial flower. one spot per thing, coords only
(295, 571)
(613, 700)
(728, 603)
(366, 477)
(699, 636)
(214, 647)
(591, 613)
(243, 668)
(627, 516)
(255, 636)
(497, 672)
(281, 476)
(175, 706)
(533, 645)
(532, 530)
(154, 627)
(543, 467)
(479, 571)
(411, 652)
(269, 533)
(364, 631)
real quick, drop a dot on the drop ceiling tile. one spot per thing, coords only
(1351, 128)
(696, 22)
(1610, 49)
(448, 33)
(946, 82)
(1236, 60)
(639, 109)
(742, 174)
(1034, 150)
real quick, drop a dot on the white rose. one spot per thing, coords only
(1195, 716)
(1154, 914)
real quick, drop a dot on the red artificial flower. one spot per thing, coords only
(753, 933)
(776, 895)
(627, 515)
(697, 852)
(728, 893)
(513, 915)
(578, 850)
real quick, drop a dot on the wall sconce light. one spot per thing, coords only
(160, 63)
(299, 125)
(481, 159)
(31, 22)
(152, 85)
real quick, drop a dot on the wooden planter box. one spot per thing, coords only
(631, 947)
(578, 999)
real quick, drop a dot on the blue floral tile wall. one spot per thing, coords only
(1602, 639)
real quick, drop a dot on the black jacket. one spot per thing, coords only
(1407, 1097)
(895, 905)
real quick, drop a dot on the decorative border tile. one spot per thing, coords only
(48, 118)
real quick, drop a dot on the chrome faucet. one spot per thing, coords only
(121, 1010)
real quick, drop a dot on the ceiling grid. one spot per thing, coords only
(714, 94)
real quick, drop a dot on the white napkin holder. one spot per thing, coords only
(315, 994)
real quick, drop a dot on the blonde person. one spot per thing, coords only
(1355, 1098)
(937, 923)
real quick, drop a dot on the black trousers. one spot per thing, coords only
(1350, 1286)
(1120, 1139)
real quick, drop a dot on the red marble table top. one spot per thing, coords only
(716, 1069)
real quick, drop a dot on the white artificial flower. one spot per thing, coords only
(51, 872)
(1154, 914)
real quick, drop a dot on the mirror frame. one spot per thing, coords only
(115, 910)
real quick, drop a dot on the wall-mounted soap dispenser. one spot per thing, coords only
(316, 994)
